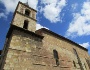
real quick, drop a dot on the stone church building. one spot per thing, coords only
(28, 49)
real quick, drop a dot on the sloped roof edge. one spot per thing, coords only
(43, 29)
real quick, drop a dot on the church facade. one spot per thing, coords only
(29, 49)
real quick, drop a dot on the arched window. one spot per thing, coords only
(27, 12)
(88, 62)
(75, 52)
(74, 63)
(25, 26)
(55, 53)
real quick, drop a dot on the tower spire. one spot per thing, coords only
(27, 3)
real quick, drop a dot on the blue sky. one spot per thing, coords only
(69, 18)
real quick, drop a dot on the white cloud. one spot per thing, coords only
(80, 25)
(52, 9)
(86, 45)
(3, 15)
(33, 3)
(38, 26)
(74, 6)
(10, 5)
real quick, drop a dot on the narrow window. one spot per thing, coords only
(25, 26)
(55, 53)
(88, 62)
(75, 52)
(0, 52)
(74, 63)
(27, 12)
(79, 61)
(85, 66)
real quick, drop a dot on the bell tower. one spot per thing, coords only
(21, 40)
(25, 17)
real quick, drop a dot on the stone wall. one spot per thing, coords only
(21, 8)
(67, 57)
(27, 52)
(22, 51)
(20, 17)
(19, 21)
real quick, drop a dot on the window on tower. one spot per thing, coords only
(27, 12)
(25, 26)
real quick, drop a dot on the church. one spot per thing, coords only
(26, 48)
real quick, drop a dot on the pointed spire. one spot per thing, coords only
(27, 3)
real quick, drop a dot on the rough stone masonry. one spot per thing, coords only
(28, 49)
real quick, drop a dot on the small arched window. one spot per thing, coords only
(88, 62)
(74, 63)
(75, 52)
(27, 12)
(55, 53)
(25, 26)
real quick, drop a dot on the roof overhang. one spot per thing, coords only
(59, 36)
